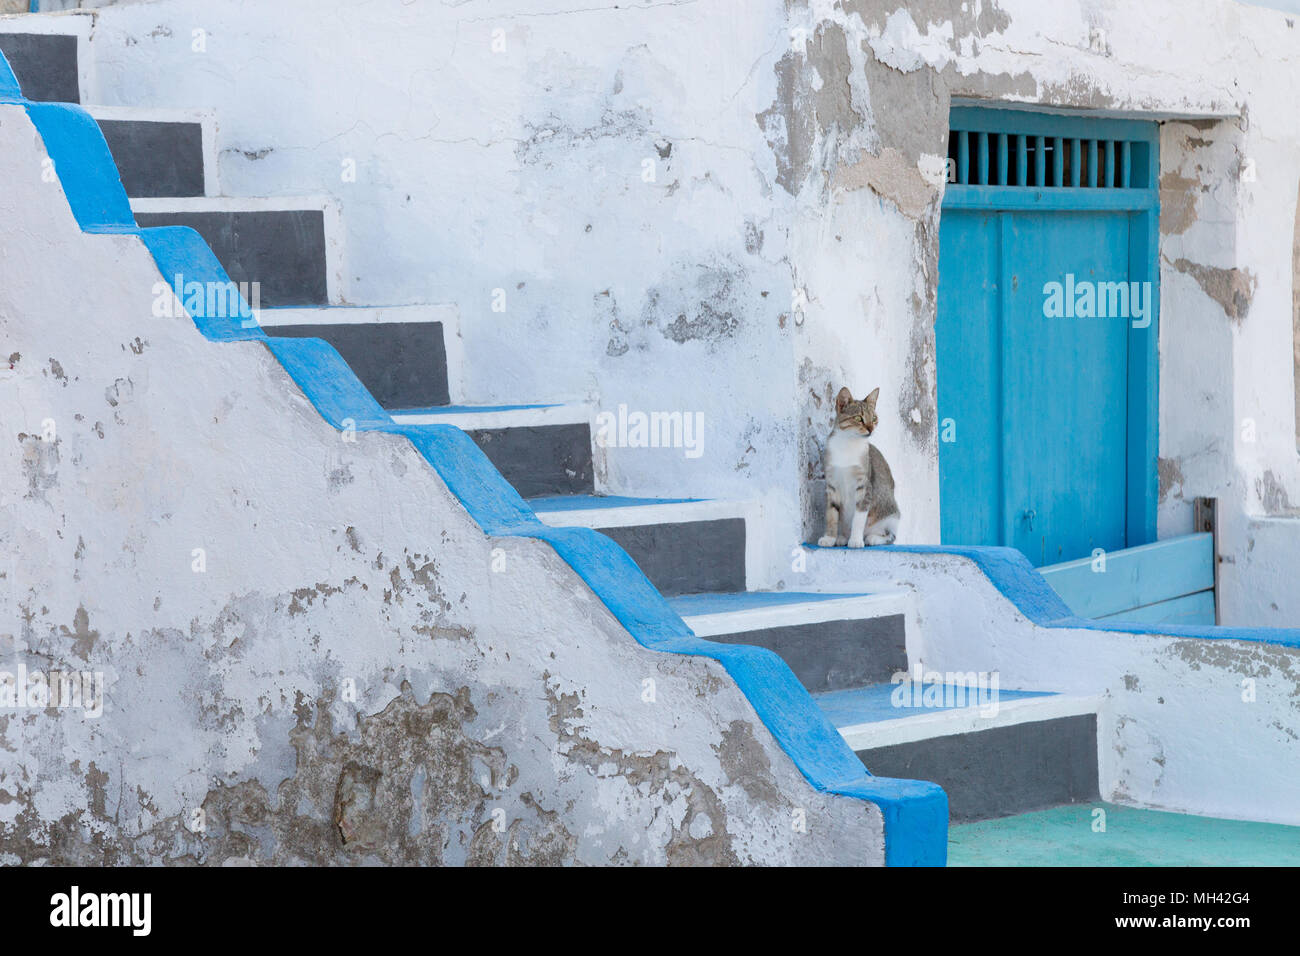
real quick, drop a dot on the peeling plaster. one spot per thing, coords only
(1170, 477)
(1233, 289)
(1178, 195)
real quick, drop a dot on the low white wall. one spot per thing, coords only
(1198, 726)
(500, 713)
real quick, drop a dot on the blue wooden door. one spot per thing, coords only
(1046, 420)
(1065, 388)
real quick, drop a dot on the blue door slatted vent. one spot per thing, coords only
(992, 158)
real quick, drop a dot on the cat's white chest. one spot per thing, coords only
(845, 450)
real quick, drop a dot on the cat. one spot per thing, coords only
(860, 506)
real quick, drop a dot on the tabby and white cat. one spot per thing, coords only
(860, 506)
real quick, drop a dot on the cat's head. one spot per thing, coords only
(854, 414)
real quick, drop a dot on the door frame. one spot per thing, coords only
(976, 189)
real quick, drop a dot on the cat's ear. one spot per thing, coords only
(843, 399)
(871, 399)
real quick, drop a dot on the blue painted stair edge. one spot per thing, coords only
(1020, 583)
(915, 813)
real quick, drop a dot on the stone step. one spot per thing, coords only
(684, 546)
(290, 247)
(831, 641)
(400, 353)
(1009, 752)
(46, 65)
(161, 153)
(543, 450)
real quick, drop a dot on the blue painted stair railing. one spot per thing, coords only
(1020, 582)
(915, 812)
(1164, 582)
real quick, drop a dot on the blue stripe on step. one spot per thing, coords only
(10, 92)
(915, 812)
(330, 384)
(187, 261)
(84, 165)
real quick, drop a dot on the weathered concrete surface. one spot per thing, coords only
(309, 652)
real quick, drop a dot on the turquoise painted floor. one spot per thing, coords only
(1063, 836)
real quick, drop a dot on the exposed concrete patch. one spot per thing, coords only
(1273, 496)
(816, 397)
(40, 464)
(709, 306)
(892, 176)
(1144, 759)
(1178, 196)
(917, 395)
(660, 775)
(553, 139)
(832, 94)
(994, 87)
(909, 110)
(83, 638)
(744, 763)
(787, 127)
(1232, 288)
(1238, 659)
(1170, 476)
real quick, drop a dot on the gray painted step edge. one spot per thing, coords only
(834, 655)
(542, 450)
(831, 643)
(47, 65)
(157, 158)
(688, 557)
(284, 251)
(541, 460)
(403, 364)
(683, 547)
(1001, 771)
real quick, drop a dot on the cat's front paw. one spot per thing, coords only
(826, 541)
(855, 542)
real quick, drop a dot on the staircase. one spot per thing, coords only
(1039, 750)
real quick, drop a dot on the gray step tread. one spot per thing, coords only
(830, 641)
(684, 546)
(45, 65)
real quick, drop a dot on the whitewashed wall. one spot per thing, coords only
(301, 637)
(787, 242)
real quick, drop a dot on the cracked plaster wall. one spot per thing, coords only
(354, 673)
(733, 208)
